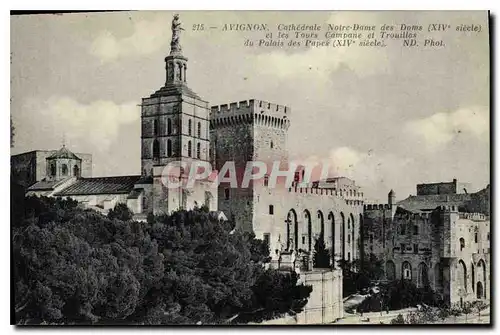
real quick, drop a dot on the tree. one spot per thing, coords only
(321, 257)
(120, 212)
(359, 275)
(372, 268)
(74, 265)
(276, 294)
(398, 320)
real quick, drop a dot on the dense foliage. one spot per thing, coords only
(321, 255)
(77, 266)
(120, 212)
(397, 295)
(358, 275)
(429, 315)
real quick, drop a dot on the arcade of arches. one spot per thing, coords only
(338, 229)
(470, 280)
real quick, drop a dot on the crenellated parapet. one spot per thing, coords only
(325, 192)
(473, 216)
(451, 208)
(252, 111)
(372, 207)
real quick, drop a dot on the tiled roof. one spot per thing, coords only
(172, 89)
(145, 180)
(101, 185)
(45, 185)
(63, 153)
(431, 201)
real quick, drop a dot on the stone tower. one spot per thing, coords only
(242, 132)
(175, 128)
(391, 198)
(63, 164)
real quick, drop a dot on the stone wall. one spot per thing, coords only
(166, 199)
(480, 202)
(104, 201)
(453, 187)
(441, 248)
(325, 304)
(234, 143)
(30, 167)
(182, 111)
(376, 229)
(24, 169)
(307, 208)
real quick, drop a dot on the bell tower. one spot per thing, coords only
(176, 63)
(174, 127)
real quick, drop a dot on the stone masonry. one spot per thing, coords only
(433, 242)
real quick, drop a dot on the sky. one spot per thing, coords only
(388, 118)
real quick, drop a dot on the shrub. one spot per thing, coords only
(399, 320)
(76, 266)
(120, 212)
(321, 257)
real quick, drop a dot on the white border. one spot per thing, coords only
(195, 5)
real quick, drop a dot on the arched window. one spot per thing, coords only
(190, 127)
(156, 149)
(199, 129)
(76, 171)
(438, 276)
(64, 170)
(473, 275)
(169, 148)
(479, 290)
(321, 223)
(189, 149)
(198, 149)
(462, 275)
(406, 271)
(342, 236)
(307, 217)
(272, 144)
(481, 278)
(462, 243)
(155, 127)
(423, 277)
(53, 169)
(180, 72)
(266, 180)
(169, 127)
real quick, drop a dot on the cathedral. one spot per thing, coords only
(177, 125)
